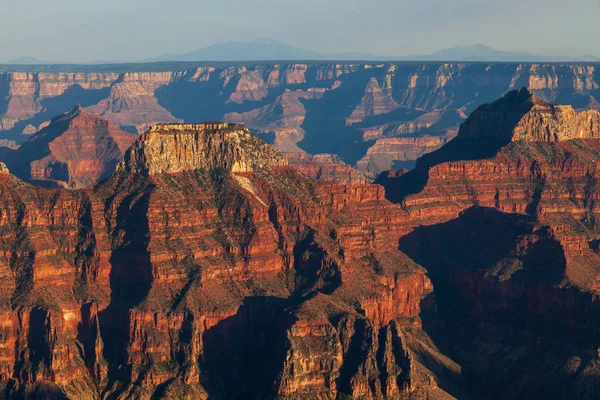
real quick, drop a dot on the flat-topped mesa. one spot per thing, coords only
(521, 116)
(173, 148)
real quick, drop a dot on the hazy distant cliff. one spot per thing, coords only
(372, 115)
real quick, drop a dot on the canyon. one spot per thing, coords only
(373, 116)
(504, 219)
(210, 265)
(201, 254)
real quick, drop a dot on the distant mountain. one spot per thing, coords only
(260, 50)
(27, 61)
(480, 52)
(271, 50)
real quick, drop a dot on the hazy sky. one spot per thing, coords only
(90, 30)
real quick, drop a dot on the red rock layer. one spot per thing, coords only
(75, 150)
(326, 167)
(504, 219)
(172, 285)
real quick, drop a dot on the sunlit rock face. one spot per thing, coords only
(176, 148)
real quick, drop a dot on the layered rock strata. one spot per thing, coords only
(326, 167)
(203, 253)
(75, 150)
(336, 108)
(504, 219)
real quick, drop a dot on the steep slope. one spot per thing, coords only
(203, 256)
(75, 150)
(504, 219)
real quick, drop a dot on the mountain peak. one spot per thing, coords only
(263, 40)
(521, 116)
(174, 148)
(76, 112)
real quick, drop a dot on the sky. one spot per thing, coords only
(131, 30)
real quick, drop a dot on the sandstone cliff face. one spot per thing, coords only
(377, 99)
(176, 148)
(131, 105)
(384, 154)
(202, 253)
(75, 150)
(318, 108)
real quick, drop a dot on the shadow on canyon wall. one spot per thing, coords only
(56, 106)
(501, 314)
(244, 354)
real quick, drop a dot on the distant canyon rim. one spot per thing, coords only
(373, 116)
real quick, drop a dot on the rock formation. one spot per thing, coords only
(75, 150)
(504, 219)
(132, 106)
(203, 253)
(173, 148)
(335, 108)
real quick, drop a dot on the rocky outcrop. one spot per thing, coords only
(176, 148)
(421, 123)
(385, 153)
(284, 118)
(504, 219)
(132, 106)
(520, 116)
(202, 253)
(75, 150)
(377, 99)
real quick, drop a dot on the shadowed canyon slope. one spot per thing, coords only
(505, 221)
(201, 258)
(374, 116)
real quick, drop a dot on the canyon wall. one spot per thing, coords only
(206, 267)
(504, 219)
(374, 116)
